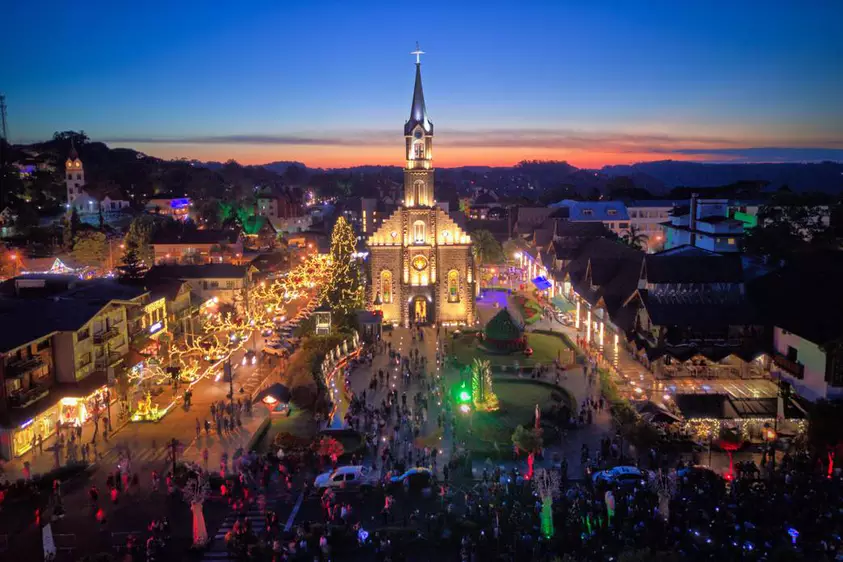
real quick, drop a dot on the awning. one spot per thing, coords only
(562, 304)
(541, 283)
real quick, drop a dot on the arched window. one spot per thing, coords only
(418, 189)
(418, 150)
(386, 286)
(418, 232)
(453, 286)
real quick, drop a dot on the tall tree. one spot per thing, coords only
(132, 266)
(90, 248)
(791, 223)
(344, 292)
(486, 248)
(139, 236)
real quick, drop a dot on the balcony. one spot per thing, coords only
(23, 366)
(103, 337)
(28, 397)
(102, 363)
(792, 368)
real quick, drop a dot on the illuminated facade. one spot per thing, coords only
(421, 260)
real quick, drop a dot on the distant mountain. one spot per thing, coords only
(824, 176)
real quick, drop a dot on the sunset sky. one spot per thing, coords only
(330, 83)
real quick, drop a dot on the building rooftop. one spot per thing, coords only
(594, 210)
(203, 271)
(198, 237)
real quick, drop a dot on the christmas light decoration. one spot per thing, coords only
(481, 386)
(547, 485)
(343, 292)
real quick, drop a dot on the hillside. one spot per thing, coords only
(826, 177)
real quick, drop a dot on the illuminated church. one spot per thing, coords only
(421, 262)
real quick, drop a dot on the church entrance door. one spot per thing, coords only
(419, 310)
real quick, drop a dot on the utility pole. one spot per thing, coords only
(4, 131)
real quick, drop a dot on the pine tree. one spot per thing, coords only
(132, 267)
(343, 293)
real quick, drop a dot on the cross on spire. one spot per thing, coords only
(418, 52)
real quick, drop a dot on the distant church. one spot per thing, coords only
(421, 262)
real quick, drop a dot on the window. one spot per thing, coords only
(70, 176)
(418, 150)
(386, 286)
(731, 241)
(82, 334)
(792, 353)
(418, 232)
(587, 212)
(78, 176)
(623, 225)
(453, 286)
(612, 212)
(418, 189)
(633, 214)
(229, 284)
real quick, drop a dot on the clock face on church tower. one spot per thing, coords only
(417, 134)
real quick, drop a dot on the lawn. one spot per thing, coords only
(518, 401)
(545, 348)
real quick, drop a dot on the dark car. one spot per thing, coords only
(414, 478)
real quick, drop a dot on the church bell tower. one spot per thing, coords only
(418, 134)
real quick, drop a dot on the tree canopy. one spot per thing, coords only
(90, 248)
(486, 248)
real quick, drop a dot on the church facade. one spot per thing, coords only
(422, 267)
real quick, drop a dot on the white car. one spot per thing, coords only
(345, 477)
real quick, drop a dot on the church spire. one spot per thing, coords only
(418, 112)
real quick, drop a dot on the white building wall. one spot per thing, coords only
(812, 386)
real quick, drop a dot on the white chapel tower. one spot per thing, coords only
(74, 177)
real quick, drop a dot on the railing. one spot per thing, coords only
(105, 361)
(791, 367)
(24, 399)
(103, 337)
(26, 365)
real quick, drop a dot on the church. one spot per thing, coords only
(422, 267)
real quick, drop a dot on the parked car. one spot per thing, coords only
(414, 478)
(621, 476)
(345, 477)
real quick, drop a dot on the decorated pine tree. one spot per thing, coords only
(343, 291)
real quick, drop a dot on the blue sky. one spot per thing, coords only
(329, 83)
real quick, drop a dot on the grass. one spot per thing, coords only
(545, 348)
(517, 407)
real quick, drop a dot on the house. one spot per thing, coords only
(802, 305)
(100, 200)
(648, 216)
(612, 214)
(285, 204)
(259, 233)
(60, 342)
(691, 316)
(221, 281)
(706, 224)
(178, 208)
(198, 246)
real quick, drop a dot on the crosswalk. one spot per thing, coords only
(139, 456)
(254, 517)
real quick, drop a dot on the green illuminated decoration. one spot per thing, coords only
(481, 386)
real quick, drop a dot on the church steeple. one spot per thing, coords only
(418, 112)
(418, 133)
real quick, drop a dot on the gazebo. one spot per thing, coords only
(504, 333)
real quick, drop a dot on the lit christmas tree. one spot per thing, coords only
(343, 292)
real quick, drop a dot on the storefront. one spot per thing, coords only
(24, 436)
(78, 411)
